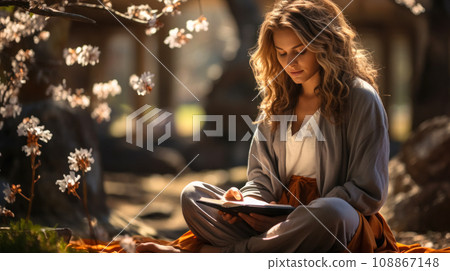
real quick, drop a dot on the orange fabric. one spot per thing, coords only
(301, 189)
(416, 248)
(89, 245)
(373, 233)
(187, 241)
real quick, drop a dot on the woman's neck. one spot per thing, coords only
(310, 85)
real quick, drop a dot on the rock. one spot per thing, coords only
(71, 129)
(158, 212)
(426, 153)
(419, 188)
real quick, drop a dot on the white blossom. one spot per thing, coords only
(5, 212)
(154, 24)
(78, 99)
(9, 196)
(24, 55)
(43, 36)
(101, 113)
(36, 3)
(85, 55)
(68, 180)
(143, 84)
(171, 2)
(107, 3)
(59, 92)
(416, 8)
(28, 124)
(103, 90)
(171, 6)
(70, 56)
(20, 73)
(80, 160)
(88, 55)
(198, 25)
(177, 38)
(62, 93)
(128, 243)
(30, 128)
(3, 89)
(10, 110)
(21, 24)
(142, 12)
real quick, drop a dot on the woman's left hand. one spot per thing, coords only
(261, 223)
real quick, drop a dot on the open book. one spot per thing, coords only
(234, 207)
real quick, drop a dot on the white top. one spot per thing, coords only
(301, 148)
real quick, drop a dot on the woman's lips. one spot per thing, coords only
(296, 73)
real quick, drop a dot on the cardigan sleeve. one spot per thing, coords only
(261, 173)
(368, 153)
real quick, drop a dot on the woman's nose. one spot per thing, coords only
(292, 60)
(291, 65)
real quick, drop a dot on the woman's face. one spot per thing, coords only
(304, 66)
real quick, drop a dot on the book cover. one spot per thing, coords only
(235, 207)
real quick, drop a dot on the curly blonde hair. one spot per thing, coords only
(338, 53)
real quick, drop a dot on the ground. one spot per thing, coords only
(129, 194)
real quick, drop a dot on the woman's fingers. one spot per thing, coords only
(233, 194)
(231, 219)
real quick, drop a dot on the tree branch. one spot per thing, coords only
(115, 12)
(46, 11)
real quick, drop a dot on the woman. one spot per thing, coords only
(322, 133)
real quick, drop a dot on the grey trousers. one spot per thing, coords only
(324, 225)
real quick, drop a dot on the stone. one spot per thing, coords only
(419, 180)
(426, 153)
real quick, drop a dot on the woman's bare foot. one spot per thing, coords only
(154, 247)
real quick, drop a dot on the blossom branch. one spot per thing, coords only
(30, 128)
(86, 209)
(35, 167)
(23, 196)
(115, 12)
(47, 11)
(200, 7)
(33, 182)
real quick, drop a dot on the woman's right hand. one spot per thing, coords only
(232, 194)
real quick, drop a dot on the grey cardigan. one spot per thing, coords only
(351, 162)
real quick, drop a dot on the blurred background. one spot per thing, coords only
(412, 53)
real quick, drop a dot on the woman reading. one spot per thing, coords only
(321, 145)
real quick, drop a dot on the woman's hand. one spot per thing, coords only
(262, 223)
(232, 194)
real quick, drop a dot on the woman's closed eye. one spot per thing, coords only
(301, 52)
